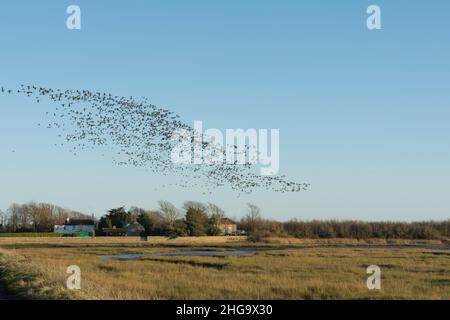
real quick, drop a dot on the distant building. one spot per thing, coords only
(75, 225)
(130, 230)
(134, 229)
(228, 227)
(115, 232)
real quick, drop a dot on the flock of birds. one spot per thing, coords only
(140, 134)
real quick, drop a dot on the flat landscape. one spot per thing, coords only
(35, 268)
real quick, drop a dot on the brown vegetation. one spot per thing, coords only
(306, 269)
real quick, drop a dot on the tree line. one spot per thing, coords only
(204, 219)
(355, 229)
(199, 219)
(193, 219)
(35, 217)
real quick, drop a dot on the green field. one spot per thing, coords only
(308, 269)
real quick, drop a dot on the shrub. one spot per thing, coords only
(258, 236)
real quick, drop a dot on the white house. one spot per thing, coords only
(75, 226)
(70, 228)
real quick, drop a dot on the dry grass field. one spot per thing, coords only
(291, 269)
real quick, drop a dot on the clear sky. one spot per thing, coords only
(363, 115)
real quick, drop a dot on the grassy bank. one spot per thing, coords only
(307, 270)
(38, 235)
(211, 241)
(21, 278)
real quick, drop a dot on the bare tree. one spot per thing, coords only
(45, 216)
(61, 215)
(136, 212)
(170, 213)
(254, 216)
(38, 216)
(14, 216)
(2, 219)
(216, 213)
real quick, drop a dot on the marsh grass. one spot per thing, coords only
(37, 269)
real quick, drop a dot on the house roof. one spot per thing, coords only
(115, 230)
(134, 226)
(77, 222)
(227, 221)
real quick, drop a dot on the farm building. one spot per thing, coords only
(115, 232)
(131, 230)
(228, 226)
(134, 229)
(75, 225)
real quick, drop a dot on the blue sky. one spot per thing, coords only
(363, 115)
